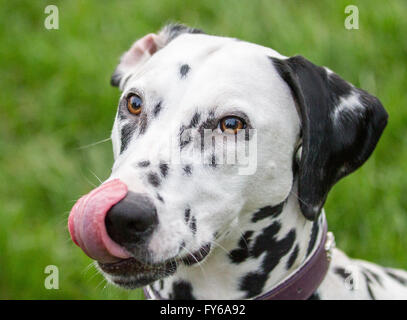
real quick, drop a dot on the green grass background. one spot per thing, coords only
(55, 98)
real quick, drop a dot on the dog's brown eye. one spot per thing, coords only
(134, 104)
(232, 125)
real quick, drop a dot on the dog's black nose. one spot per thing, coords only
(132, 220)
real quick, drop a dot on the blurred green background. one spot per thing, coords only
(55, 99)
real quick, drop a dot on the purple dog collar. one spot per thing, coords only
(301, 284)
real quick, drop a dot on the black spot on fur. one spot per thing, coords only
(160, 198)
(274, 250)
(143, 123)
(156, 293)
(342, 272)
(346, 276)
(368, 285)
(185, 142)
(313, 239)
(268, 211)
(247, 135)
(396, 277)
(157, 109)
(184, 70)
(144, 163)
(173, 30)
(182, 290)
(209, 123)
(163, 169)
(184, 137)
(242, 253)
(154, 179)
(314, 296)
(293, 257)
(184, 132)
(161, 283)
(373, 275)
(126, 134)
(213, 161)
(267, 242)
(194, 121)
(245, 239)
(121, 115)
(253, 283)
(192, 225)
(187, 214)
(187, 170)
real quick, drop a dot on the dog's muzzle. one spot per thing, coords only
(112, 225)
(110, 221)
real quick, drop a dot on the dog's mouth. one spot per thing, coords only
(88, 230)
(131, 273)
(197, 256)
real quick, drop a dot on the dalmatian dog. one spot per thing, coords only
(199, 228)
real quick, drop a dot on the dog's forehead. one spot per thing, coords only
(204, 44)
(193, 66)
(220, 55)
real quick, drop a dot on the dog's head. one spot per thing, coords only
(191, 103)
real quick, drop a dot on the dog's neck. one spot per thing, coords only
(261, 250)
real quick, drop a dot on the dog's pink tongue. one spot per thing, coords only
(86, 222)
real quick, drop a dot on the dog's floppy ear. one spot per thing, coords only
(143, 49)
(341, 126)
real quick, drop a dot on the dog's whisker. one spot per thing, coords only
(198, 262)
(298, 198)
(223, 234)
(90, 182)
(95, 274)
(242, 236)
(89, 267)
(217, 244)
(103, 281)
(93, 144)
(106, 288)
(96, 176)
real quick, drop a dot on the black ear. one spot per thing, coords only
(341, 126)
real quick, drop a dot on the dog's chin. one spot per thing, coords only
(135, 282)
(131, 284)
(132, 273)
